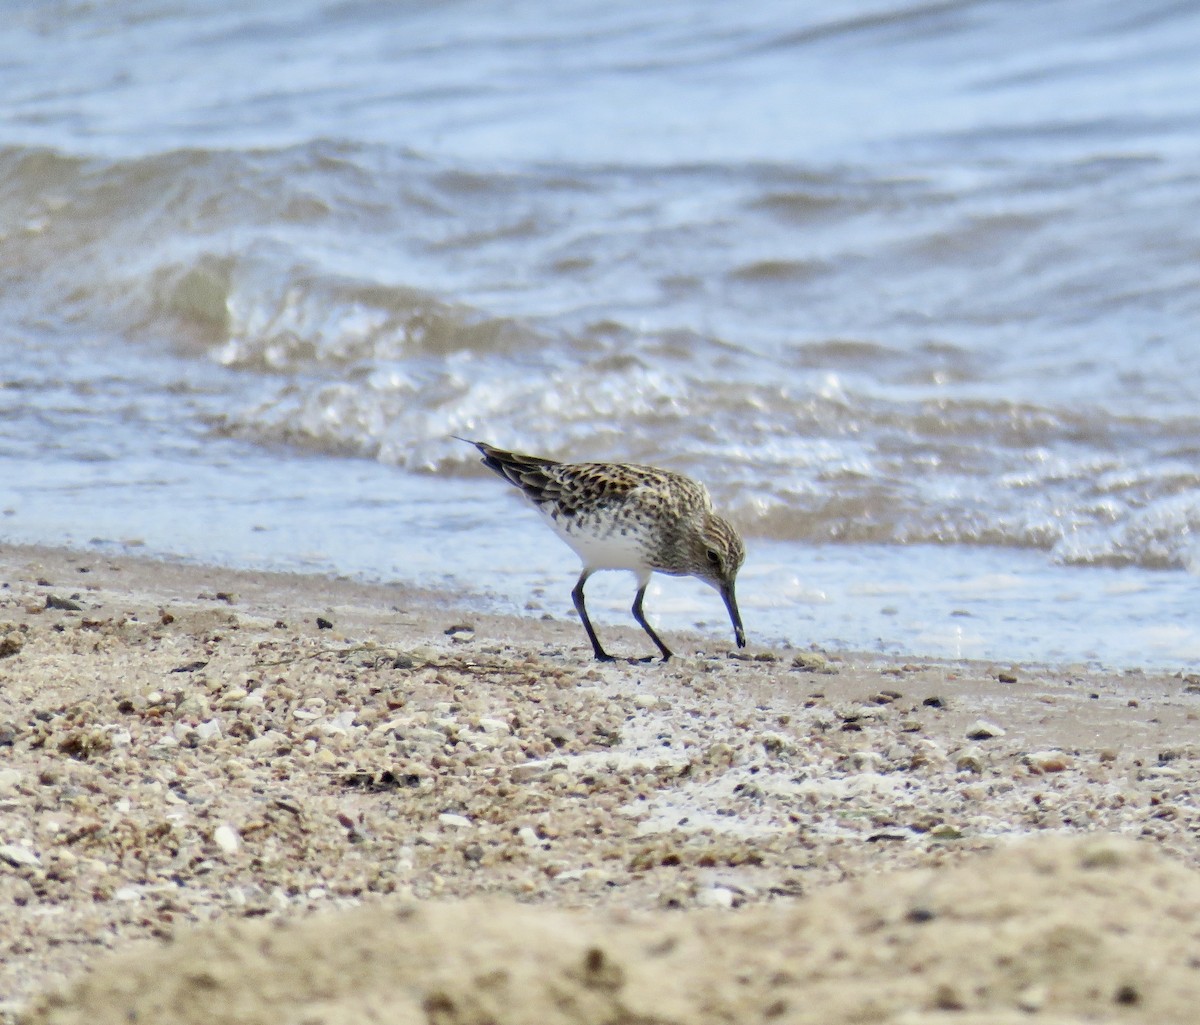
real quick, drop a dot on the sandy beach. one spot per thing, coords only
(245, 797)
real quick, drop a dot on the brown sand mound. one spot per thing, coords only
(1051, 930)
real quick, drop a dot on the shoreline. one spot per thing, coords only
(190, 746)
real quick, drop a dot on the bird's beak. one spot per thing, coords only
(735, 617)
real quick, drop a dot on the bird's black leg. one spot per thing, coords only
(641, 618)
(581, 608)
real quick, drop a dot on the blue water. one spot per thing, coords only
(911, 287)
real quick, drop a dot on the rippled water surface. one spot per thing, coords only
(912, 287)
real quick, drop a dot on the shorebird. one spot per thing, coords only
(629, 517)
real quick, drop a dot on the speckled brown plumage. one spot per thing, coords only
(625, 516)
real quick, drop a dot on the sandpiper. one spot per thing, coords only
(636, 518)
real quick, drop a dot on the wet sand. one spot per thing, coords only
(243, 797)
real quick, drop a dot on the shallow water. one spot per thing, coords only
(911, 287)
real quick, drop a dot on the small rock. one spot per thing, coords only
(62, 604)
(867, 761)
(970, 759)
(11, 642)
(272, 742)
(18, 856)
(528, 836)
(981, 729)
(455, 821)
(559, 735)
(227, 838)
(209, 730)
(1032, 999)
(1127, 994)
(716, 897)
(945, 833)
(9, 780)
(1048, 761)
(720, 754)
(645, 701)
(528, 771)
(194, 706)
(811, 662)
(323, 623)
(570, 875)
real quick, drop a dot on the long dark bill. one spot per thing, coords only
(735, 617)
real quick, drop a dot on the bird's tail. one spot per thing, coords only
(529, 473)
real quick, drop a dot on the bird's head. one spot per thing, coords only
(715, 556)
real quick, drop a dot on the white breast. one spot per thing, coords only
(598, 541)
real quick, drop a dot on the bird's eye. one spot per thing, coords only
(714, 557)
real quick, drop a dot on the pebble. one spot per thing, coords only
(1048, 761)
(716, 897)
(269, 743)
(53, 601)
(645, 701)
(981, 729)
(227, 838)
(529, 771)
(867, 761)
(209, 730)
(11, 642)
(455, 821)
(341, 723)
(970, 759)
(18, 856)
(570, 875)
(811, 662)
(9, 780)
